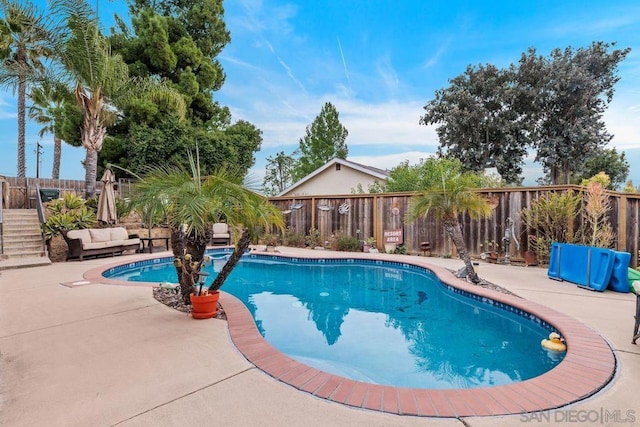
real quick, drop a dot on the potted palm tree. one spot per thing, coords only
(448, 195)
(193, 203)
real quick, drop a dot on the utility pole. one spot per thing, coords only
(38, 152)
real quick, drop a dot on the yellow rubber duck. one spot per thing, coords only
(554, 343)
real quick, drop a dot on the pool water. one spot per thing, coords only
(383, 323)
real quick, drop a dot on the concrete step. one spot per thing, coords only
(23, 262)
(24, 251)
(20, 222)
(19, 214)
(22, 237)
(14, 247)
(22, 234)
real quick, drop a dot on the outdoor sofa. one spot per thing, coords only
(99, 241)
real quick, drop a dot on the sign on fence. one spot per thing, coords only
(393, 236)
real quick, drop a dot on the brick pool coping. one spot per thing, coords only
(587, 367)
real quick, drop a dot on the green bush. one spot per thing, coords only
(551, 218)
(68, 213)
(293, 239)
(312, 239)
(348, 244)
(400, 250)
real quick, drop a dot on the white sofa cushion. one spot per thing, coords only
(126, 242)
(220, 231)
(83, 235)
(119, 233)
(220, 228)
(100, 235)
(95, 245)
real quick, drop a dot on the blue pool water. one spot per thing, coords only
(383, 323)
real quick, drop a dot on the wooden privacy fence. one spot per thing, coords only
(22, 191)
(370, 215)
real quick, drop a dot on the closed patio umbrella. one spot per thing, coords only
(107, 200)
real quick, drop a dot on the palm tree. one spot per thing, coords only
(48, 109)
(193, 203)
(449, 195)
(102, 82)
(25, 40)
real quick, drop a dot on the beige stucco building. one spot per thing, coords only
(338, 176)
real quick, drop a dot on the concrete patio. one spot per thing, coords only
(106, 355)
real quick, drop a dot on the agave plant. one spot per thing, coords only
(68, 213)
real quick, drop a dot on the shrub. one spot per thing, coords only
(271, 239)
(68, 213)
(313, 238)
(400, 250)
(293, 239)
(347, 244)
(551, 218)
(596, 229)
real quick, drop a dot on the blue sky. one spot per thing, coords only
(378, 62)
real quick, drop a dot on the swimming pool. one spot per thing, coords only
(379, 322)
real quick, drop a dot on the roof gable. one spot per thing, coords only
(373, 172)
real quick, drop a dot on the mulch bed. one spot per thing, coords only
(172, 298)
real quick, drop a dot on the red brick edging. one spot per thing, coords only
(587, 367)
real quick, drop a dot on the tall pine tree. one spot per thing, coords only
(324, 140)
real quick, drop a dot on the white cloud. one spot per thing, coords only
(387, 73)
(622, 121)
(433, 60)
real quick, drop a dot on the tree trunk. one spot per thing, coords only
(178, 249)
(241, 247)
(455, 232)
(91, 170)
(57, 153)
(22, 90)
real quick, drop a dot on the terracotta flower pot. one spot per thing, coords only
(204, 306)
(530, 258)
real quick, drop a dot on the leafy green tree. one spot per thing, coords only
(192, 203)
(571, 90)
(178, 40)
(26, 40)
(426, 174)
(449, 195)
(324, 140)
(49, 101)
(278, 174)
(480, 120)
(611, 163)
(232, 148)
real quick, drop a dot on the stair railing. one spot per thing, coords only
(41, 218)
(1, 221)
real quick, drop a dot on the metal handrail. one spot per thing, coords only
(1, 220)
(41, 217)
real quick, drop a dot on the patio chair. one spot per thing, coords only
(221, 235)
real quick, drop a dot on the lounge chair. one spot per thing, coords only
(221, 235)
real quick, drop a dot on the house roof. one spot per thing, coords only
(369, 170)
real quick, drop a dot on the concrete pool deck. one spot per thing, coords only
(100, 354)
